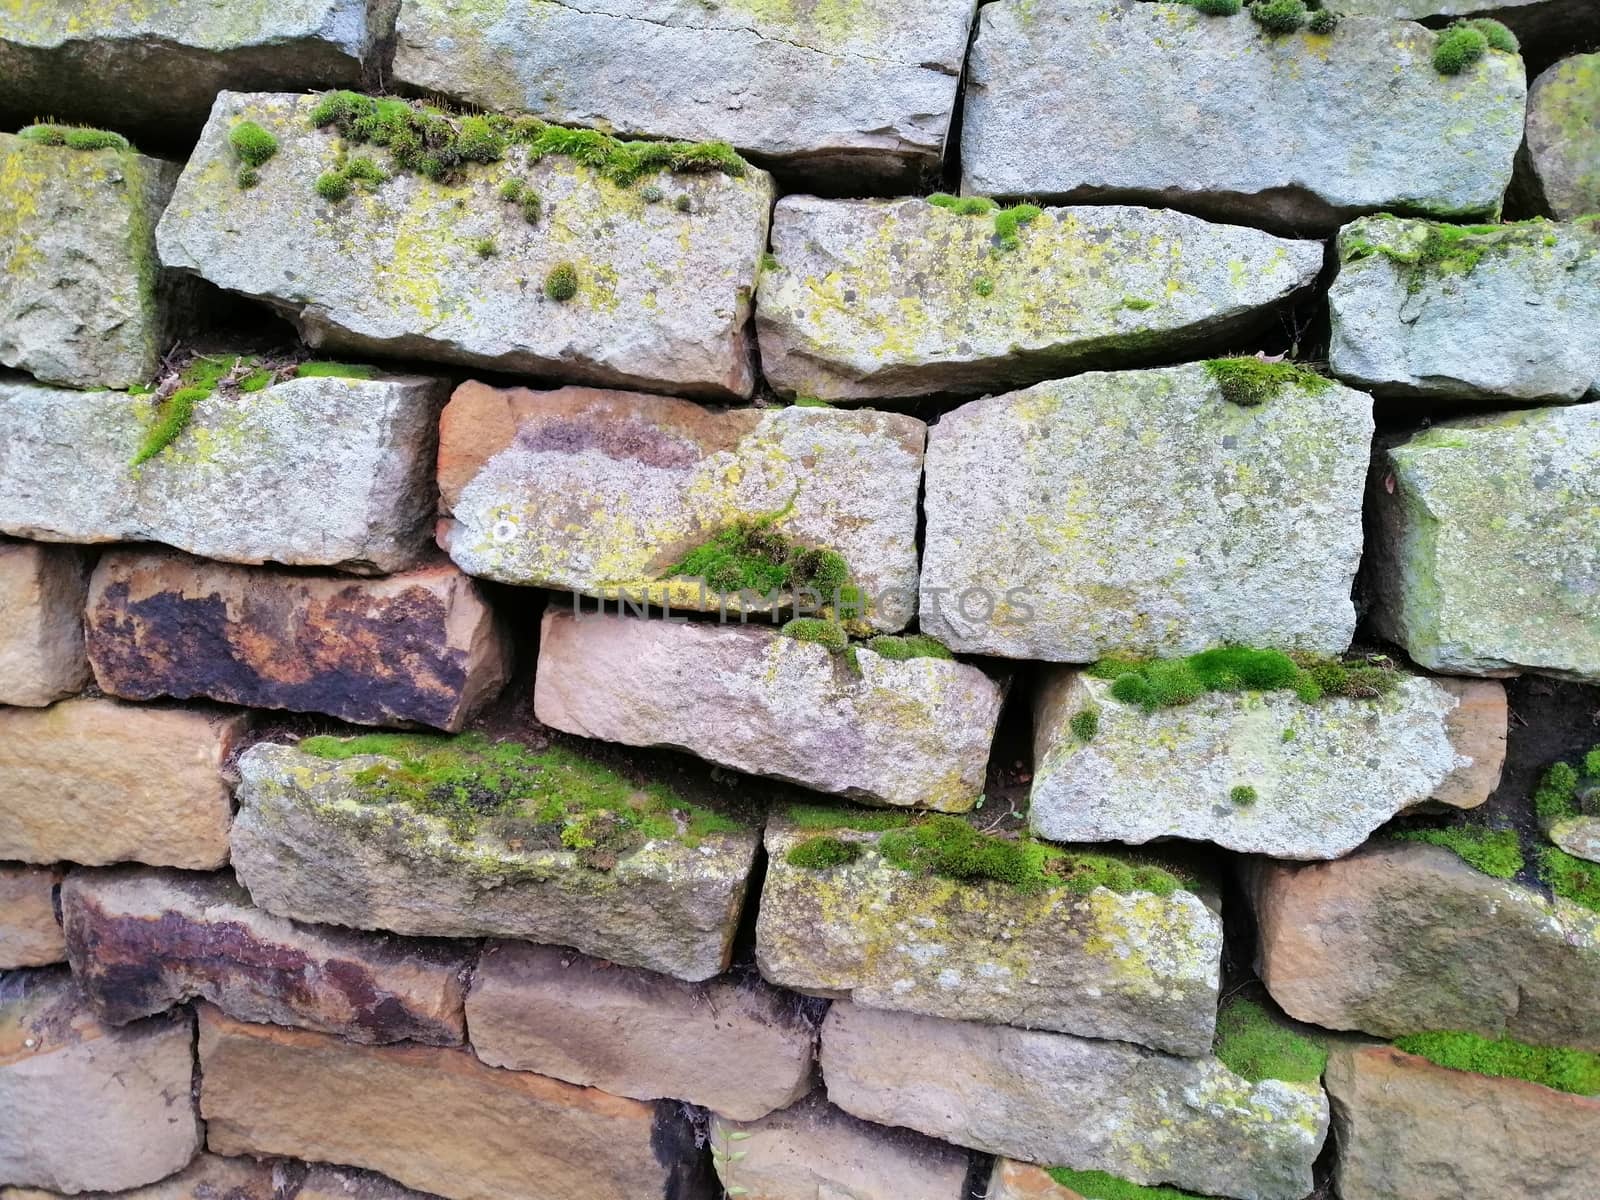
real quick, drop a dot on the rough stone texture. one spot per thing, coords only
(343, 1183)
(1578, 836)
(143, 940)
(1408, 1130)
(1046, 540)
(312, 844)
(737, 1048)
(602, 492)
(1326, 774)
(1404, 938)
(42, 592)
(1295, 132)
(1014, 1180)
(153, 69)
(1483, 555)
(1136, 968)
(473, 1132)
(812, 1151)
(663, 299)
(86, 1107)
(881, 298)
(81, 297)
(1546, 28)
(99, 781)
(1051, 1098)
(312, 472)
(1517, 326)
(1477, 727)
(422, 646)
(1560, 163)
(30, 936)
(846, 96)
(208, 1177)
(908, 733)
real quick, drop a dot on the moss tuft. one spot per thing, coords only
(561, 284)
(1165, 683)
(1085, 724)
(1097, 1185)
(822, 853)
(1497, 35)
(74, 137)
(1280, 16)
(1256, 1045)
(485, 247)
(1495, 852)
(829, 634)
(965, 206)
(1458, 48)
(332, 186)
(1007, 221)
(1571, 878)
(1252, 381)
(199, 378)
(983, 285)
(830, 816)
(1243, 795)
(252, 143)
(1216, 8)
(752, 555)
(1556, 797)
(335, 370)
(901, 647)
(1324, 21)
(1574, 1071)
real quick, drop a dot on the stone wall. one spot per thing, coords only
(572, 627)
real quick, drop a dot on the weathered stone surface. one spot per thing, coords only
(343, 1183)
(1046, 540)
(1408, 1130)
(81, 301)
(86, 1107)
(663, 295)
(1560, 163)
(1295, 132)
(1325, 774)
(1136, 967)
(30, 936)
(312, 472)
(42, 592)
(154, 69)
(1516, 322)
(99, 781)
(847, 97)
(737, 1048)
(1545, 28)
(1051, 1098)
(1477, 727)
(469, 1132)
(907, 733)
(1484, 549)
(208, 1177)
(1403, 938)
(1578, 836)
(1014, 1180)
(143, 940)
(312, 844)
(421, 646)
(602, 492)
(812, 1151)
(904, 298)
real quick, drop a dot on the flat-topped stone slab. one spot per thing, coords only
(651, 294)
(1230, 522)
(1546, 28)
(309, 472)
(1496, 314)
(905, 297)
(1481, 557)
(207, 1177)
(605, 493)
(911, 733)
(831, 96)
(1296, 132)
(1560, 163)
(42, 591)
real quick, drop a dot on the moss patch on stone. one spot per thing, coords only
(1008, 222)
(335, 370)
(1465, 42)
(902, 647)
(253, 145)
(1428, 250)
(1256, 1045)
(1574, 1071)
(1495, 852)
(74, 137)
(1280, 16)
(1571, 878)
(824, 816)
(753, 555)
(1097, 1185)
(196, 382)
(1243, 795)
(822, 853)
(1085, 723)
(1164, 683)
(829, 634)
(1253, 381)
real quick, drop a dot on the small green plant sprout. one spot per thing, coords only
(1252, 381)
(1085, 724)
(1280, 16)
(1458, 48)
(1288, 735)
(561, 284)
(983, 286)
(828, 634)
(484, 247)
(1324, 21)
(511, 190)
(1495, 852)
(1574, 1071)
(1216, 8)
(1097, 1185)
(74, 137)
(725, 1159)
(1242, 795)
(1137, 303)
(822, 853)
(1256, 1044)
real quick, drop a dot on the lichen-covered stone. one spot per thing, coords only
(88, 1107)
(1404, 938)
(913, 733)
(603, 492)
(153, 69)
(1579, 836)
(1560, 164)
(30, 935)
(736, 1047)
(141, 941)
(1484, 551)
(313, 842)
(851, 93)
(1325, 775)
(1546, 28)
(42, 591)
(311, 472)
(904, 298)
(1406, 1129)
(663, 299)
(81, 296)
(1136, 968)
(1161, 104)
(1141, 512)
(812, 1151)
(208, 1177)
(1052, 1098)
(1507, 313)
(323, 1182)
(98, 781)
(421, 646)
(435, 1118)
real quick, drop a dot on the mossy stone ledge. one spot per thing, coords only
(453, 844)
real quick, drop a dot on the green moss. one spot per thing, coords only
(335, 370)
(1280, 16)
(1571, 878)
(965, 206)
(1252, 381)
(828, 816)
(1255, 1044)
(983, 286)
(651, 194)
(683, 204)
(752, 555)
(1097, 1185)
(74, 137)
(1429, 249)
(1165, 683)
(1243, 795)
(1556, 797)
(1574, 1071)
(1137, 304)
(172, 419)
(1085, 724)
(769, 261)
(830, 634)
(1324, 21)
(561, 284)
(1591, 763)
(196, 383)
(906, 646)
(252, 143)
(358, 168)
(1216, 8)
(1007, 221)
(822, 853)
(485, 247)
(511, 190)
(810, 402)
(332, 186)
(1495, 852)
(1458, 48)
